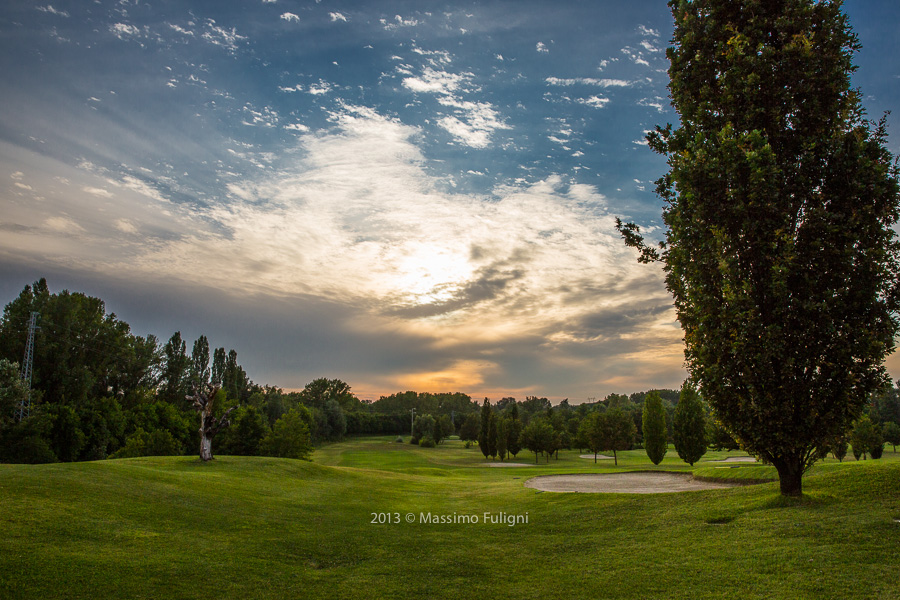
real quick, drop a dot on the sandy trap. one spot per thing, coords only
(623, 483)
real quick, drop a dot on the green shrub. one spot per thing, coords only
(427, 442)
(399, 439)
(31, 450)
(289, 437)
(159, 442)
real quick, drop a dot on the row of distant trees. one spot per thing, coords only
(503, 430)
(98, 391)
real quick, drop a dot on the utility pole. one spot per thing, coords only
(412, 423)
(25, 404)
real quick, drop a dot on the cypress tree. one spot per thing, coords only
(690, 425)
(486, 414)
(492, 435)
(654, 426)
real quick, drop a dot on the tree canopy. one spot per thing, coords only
(654, 428)
(780, 203)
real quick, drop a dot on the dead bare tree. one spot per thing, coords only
(203, 402)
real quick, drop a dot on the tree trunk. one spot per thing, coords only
(209, 426)
(205, 446)
(790, 476)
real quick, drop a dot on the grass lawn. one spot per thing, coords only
(243, 527)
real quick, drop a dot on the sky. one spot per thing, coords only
(405, 195)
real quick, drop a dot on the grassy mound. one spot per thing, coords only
(273, 528)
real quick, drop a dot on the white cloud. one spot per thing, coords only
(322, 87)
(265, 117)
(290, 17)
(358, 218)
(589, 81)
(436, 82)
(124, 31)
(62, 224)
(336, 16)
(657, 103)
(219, 36)
(297, 127)
(140, 186)
(470, 123)
(636, 57)
(125, 226)
(95, 191)
(647, 31)
(593, 101)
(181, 30)
(438, 56)
(49, 9)
(541, 47)
(398, 22)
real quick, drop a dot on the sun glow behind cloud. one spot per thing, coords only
(354, 218)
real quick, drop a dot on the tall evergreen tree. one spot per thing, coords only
(200, 362)
(175, 375)
(654, 427)
(690, 425)
(486, 413)
(513, 434)
(780, 200)
(217, 373)
(502, 436)
(492, 435)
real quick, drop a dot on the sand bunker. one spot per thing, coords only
(507, 464)
(734, 459)
(623, 483)
(599, 457)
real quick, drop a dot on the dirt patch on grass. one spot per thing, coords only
(507, 464)
(623, 483)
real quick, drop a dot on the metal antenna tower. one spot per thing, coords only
(25, 404)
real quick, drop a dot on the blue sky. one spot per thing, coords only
(403, 195)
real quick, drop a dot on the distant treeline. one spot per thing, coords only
(98, 390)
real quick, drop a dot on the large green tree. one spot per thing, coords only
(80, 350)
(653, 420)
(779, 207)
(616, 431)
(537, 437)
(690, 425)
(590, 434)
